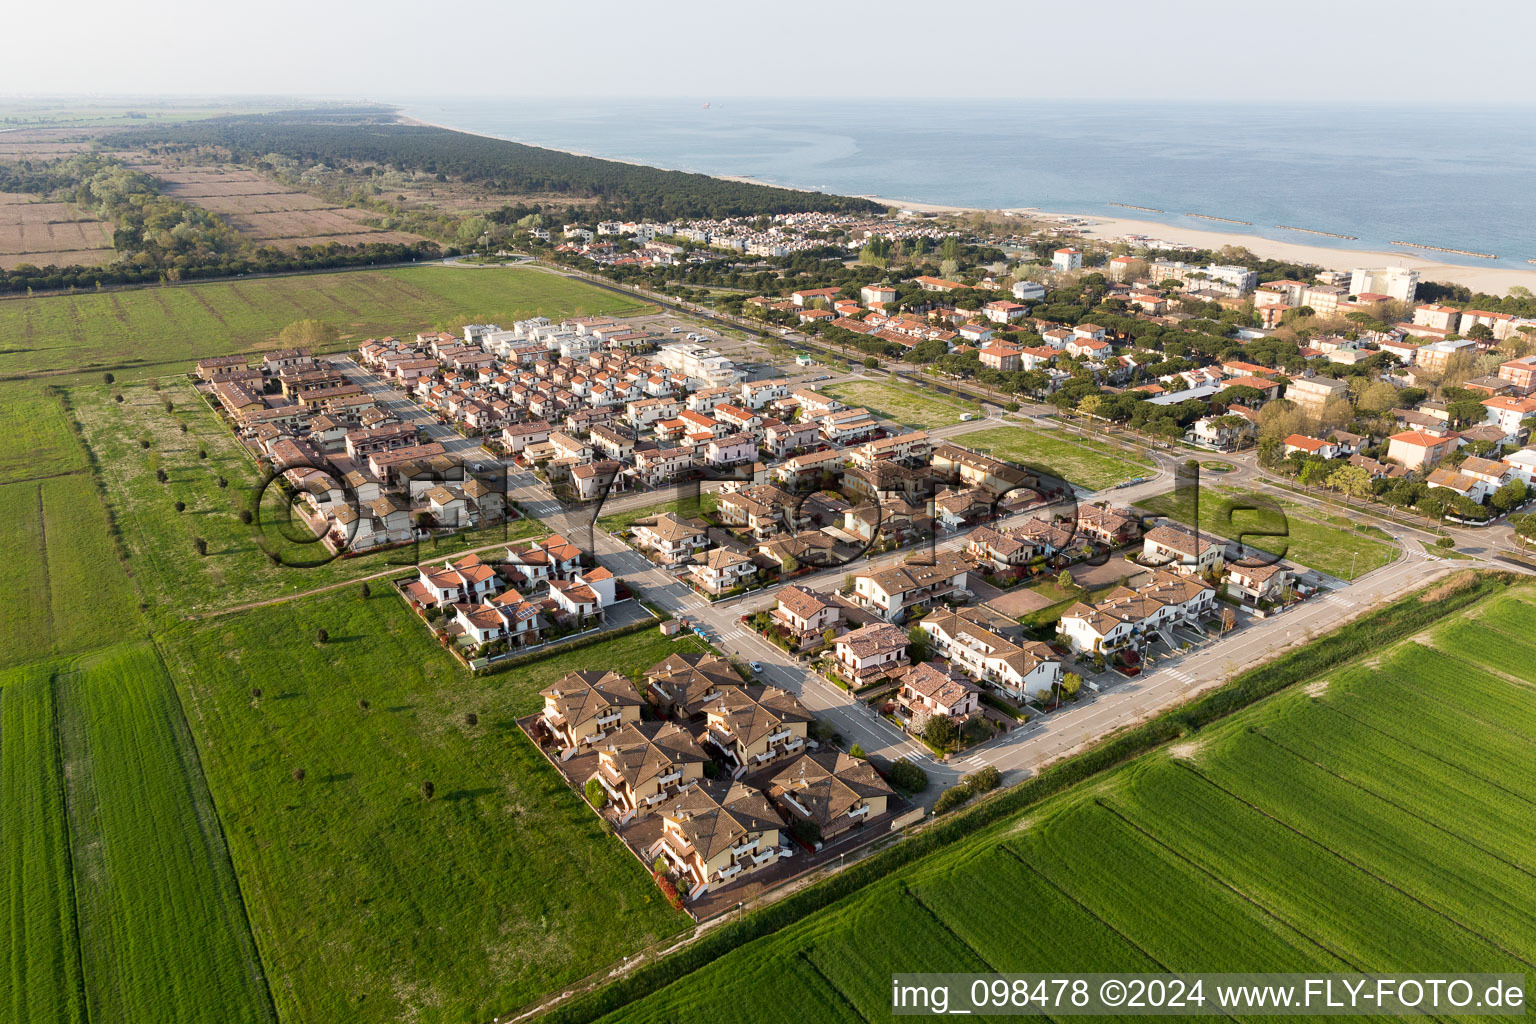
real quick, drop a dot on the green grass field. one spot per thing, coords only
(121, 898)
(369, 902)
(903, 403)
(35, 439)
(236, 569)
(1375, 821)
(1279, 526)
(69, 591)
(135, 332)
(1093, 465)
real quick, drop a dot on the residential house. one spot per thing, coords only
(670, 537)
(1018, 667)
(1507, 413)
(830, 790)
(467, 580)
(892, 592)
(754, 726)
(722, 570)
(715, 833)
(584, 708)
(927, 691)
(1107, 525)
(643, 765)
(1127, 616)
(870, 653)
(1164, 545)
(1266, 582)
(805, 615)
(1311, 446)
(1417, 450)
(683, 684)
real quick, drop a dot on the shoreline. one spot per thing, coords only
(1492, 279)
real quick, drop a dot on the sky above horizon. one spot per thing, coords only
(1304, 51)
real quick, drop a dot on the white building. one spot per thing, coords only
(1399, 283)
(1063, 260)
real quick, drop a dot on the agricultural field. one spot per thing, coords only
(1374, 819)
(1092, 465)
(161, 542)
(1281, 527)
(368, 901)
(267, 212)
(122, 901)
(903, 403)
(35, 439)
(165, 329)
(68, 589)
(43, 234)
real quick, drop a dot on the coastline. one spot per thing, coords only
(1495, 278)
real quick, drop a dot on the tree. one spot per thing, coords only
(471, 719)
(1510, 496)
(1378, 397)
(298, 775)
(940, 731)
(917, 644)
(200, 545)
(1071, 683)
(1065, 581)
(108, 378)
(308, 333)
(1480, 332)
(321, 636)
(181, 506)
(857, 751)
(907, 776)
(245, 516)
(1313, 472)
(1351, 481)
(1432, 506)
(597, 796)
(427, 789)
(364, 591)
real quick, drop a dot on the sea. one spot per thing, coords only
(1443, 176)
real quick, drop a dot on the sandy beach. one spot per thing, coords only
(1496, 278)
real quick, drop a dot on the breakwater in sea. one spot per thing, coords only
(1441, 248)
(1224, 220)
(1314, 231)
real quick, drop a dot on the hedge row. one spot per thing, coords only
(1387, 625)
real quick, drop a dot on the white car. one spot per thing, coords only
(756, 666)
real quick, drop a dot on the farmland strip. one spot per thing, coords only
(1261, 734)
(1187, 766)
(1010, 851)
(1223, 883)
(1427, 753)
(831, 985)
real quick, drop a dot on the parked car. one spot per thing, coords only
(755, 666)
